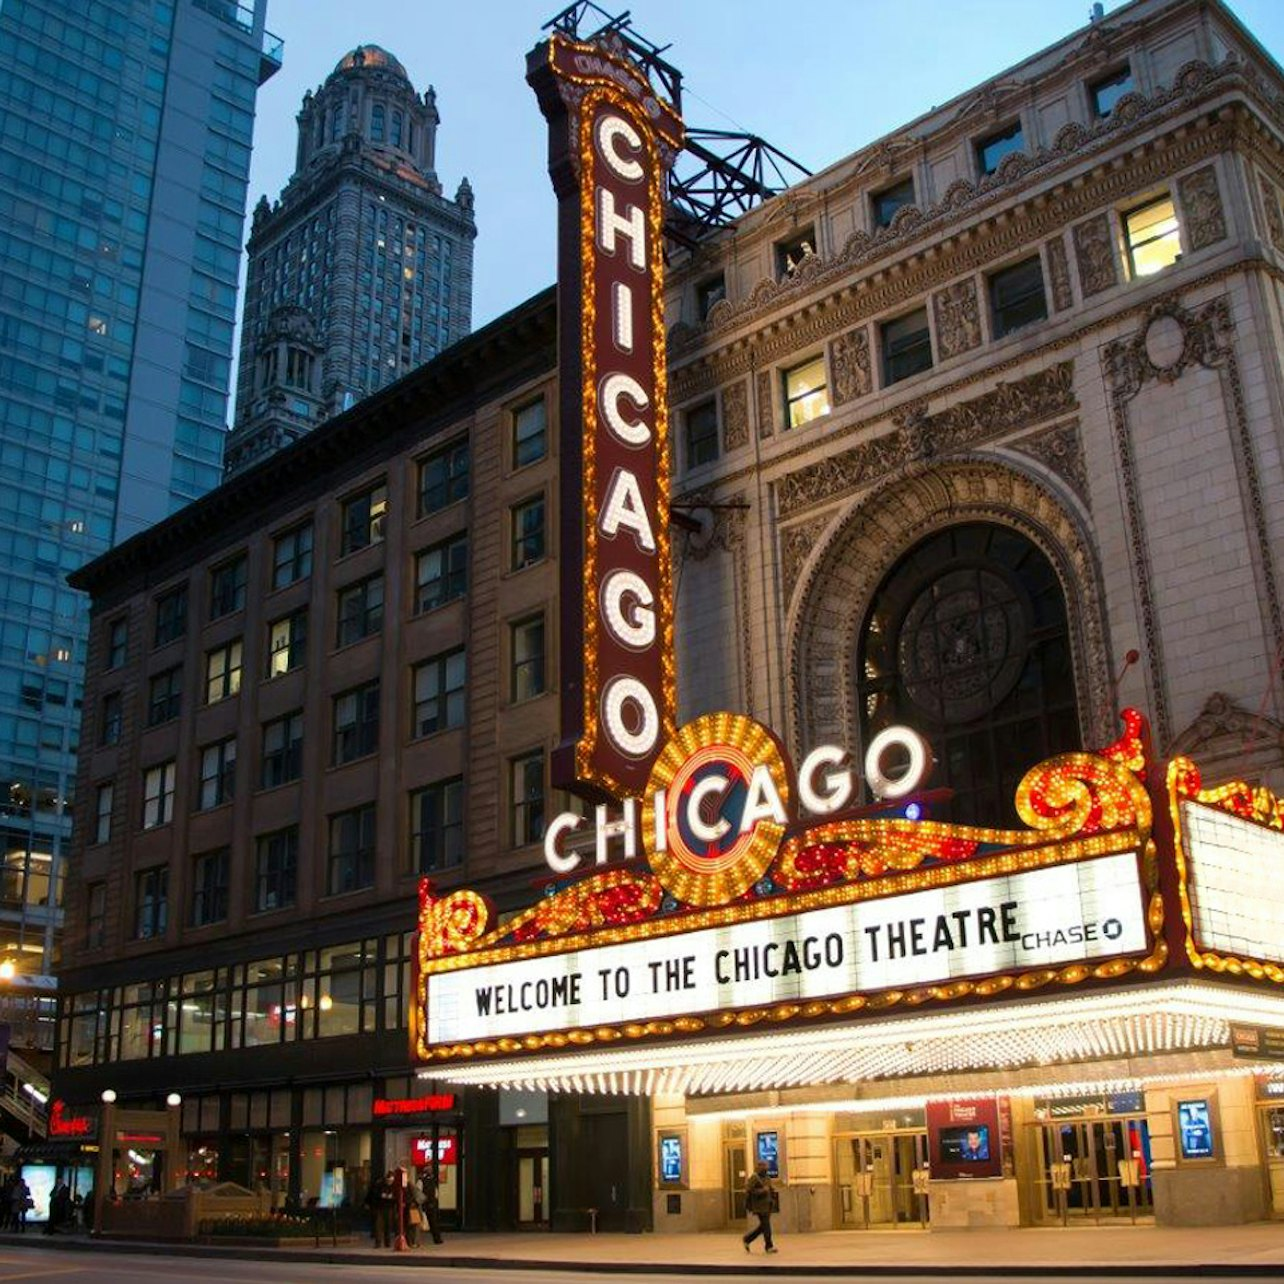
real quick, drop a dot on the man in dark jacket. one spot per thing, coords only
(381, 1200)
(431, 1211)
(759, 1197)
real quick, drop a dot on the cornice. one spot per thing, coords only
(882, 290)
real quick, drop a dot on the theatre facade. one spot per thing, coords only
(970, 438)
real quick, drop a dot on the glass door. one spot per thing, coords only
(1095, 1169)
(1271, 1120)
(532, 1187)
(874, 1173)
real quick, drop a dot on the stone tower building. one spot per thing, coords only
(362, 270)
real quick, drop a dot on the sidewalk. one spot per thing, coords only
(1255, 1250)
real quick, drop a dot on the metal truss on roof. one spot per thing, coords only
(721, 174)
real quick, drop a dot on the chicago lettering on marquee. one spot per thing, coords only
(610, 141)
(740, 905)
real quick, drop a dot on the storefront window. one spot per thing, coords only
(267, 1011)
(201, 1027)
(141, 1021)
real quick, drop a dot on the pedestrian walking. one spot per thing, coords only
(431, 1212)
(22, 1203)
(379, 1200)
(760, 1195)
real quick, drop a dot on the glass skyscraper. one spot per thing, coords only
(125, 130)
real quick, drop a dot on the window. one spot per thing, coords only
(151, 897)
(171, 616)
(158, 795)
(209, 887)
(117, 642)
(443, 477)
(527, 777)
(530, 433)
(96, 915)
(907, 346)
(439, 693)
(282, 750)
(164, 696)
(702, 433)
(292, 556)
(363, 517)
(1154, 240)
(890, 199)
(287, 642)
(227, 587)
(104, 799)
(352, 850)
(528, 532)
(276, 869)
(994, 147)
(218, 773)
(806, 392)
(528, 658)
(791, 252)
(222, 672)
(376, 123)
(109, 723)
(1016, 296)
(1107, 91)
(356, 723)
(1006, 696)
(441, 573)
(437, 826)
(360, 610)
(710, 291)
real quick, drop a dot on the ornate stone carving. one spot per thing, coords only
(1059, 275)
(1008, 407)
(796, 544)
(958, 319)
(766, 404)
(1095, 253)
(1059, 449)
(1223, 720)
(1193, 81)
(1169, 342)
(735, 416)
(832, 600)
(1271, 204)
(849, 360)
(1201, 202)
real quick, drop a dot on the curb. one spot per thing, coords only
(415, 1260)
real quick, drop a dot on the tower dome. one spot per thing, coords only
(369, 56)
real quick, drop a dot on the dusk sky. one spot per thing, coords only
(834, 77)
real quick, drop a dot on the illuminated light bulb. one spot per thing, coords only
(7, 970)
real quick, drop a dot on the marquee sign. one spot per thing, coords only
(834, 917)
(610, 141)
(1227, 840)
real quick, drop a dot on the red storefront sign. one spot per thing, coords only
(61, 1124)
(386, 1106)
(447, 1151)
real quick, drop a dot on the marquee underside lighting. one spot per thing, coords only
(1124, 1024)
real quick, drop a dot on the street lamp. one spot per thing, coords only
(174, 1099)
(109, 1096)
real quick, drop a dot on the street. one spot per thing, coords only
(101, 1267)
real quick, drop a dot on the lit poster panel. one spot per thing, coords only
(610, 141)
(1040, 918)
(1235, 883)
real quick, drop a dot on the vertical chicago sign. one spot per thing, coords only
(610, 141)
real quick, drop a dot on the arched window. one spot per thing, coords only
(336, 123)
(966, 640)
(376, 123)
(396, 129)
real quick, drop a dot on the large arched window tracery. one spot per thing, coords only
(967, 640)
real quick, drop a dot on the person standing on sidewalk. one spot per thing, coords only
(428, 1186)
(759, 1196)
